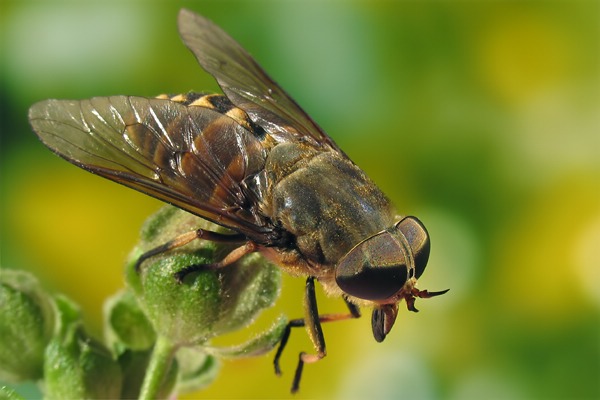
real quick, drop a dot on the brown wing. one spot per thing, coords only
(247, 85)
(193, 157)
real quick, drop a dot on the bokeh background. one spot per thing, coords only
(481, 118)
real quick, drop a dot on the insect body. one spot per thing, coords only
(253, 161)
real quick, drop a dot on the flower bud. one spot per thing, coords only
(26, 325)
(77, 366)
(209, 302)
(125, 325)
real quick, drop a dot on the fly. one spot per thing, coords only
(253, 161)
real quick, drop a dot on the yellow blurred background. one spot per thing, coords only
(481, 118)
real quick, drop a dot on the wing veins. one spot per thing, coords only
(108, 143)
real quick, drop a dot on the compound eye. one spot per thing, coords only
(375, 269)
(418, 239)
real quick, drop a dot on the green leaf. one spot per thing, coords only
(260, 344)
(197, 369)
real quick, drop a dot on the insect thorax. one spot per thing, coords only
(325, 201)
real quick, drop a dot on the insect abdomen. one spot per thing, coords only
(219, 103)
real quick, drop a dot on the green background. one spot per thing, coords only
(481, 118)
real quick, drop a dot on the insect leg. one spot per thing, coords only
(313, 322)
(184, 239)
(233, 256)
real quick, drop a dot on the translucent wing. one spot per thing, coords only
(246, 84)
(193, 157)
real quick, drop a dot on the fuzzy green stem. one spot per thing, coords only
(160, 362)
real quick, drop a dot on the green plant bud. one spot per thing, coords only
(126, 325)
(208, 303)
(77, 366)
(183, 313)
(197, 369)
(26, 326)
